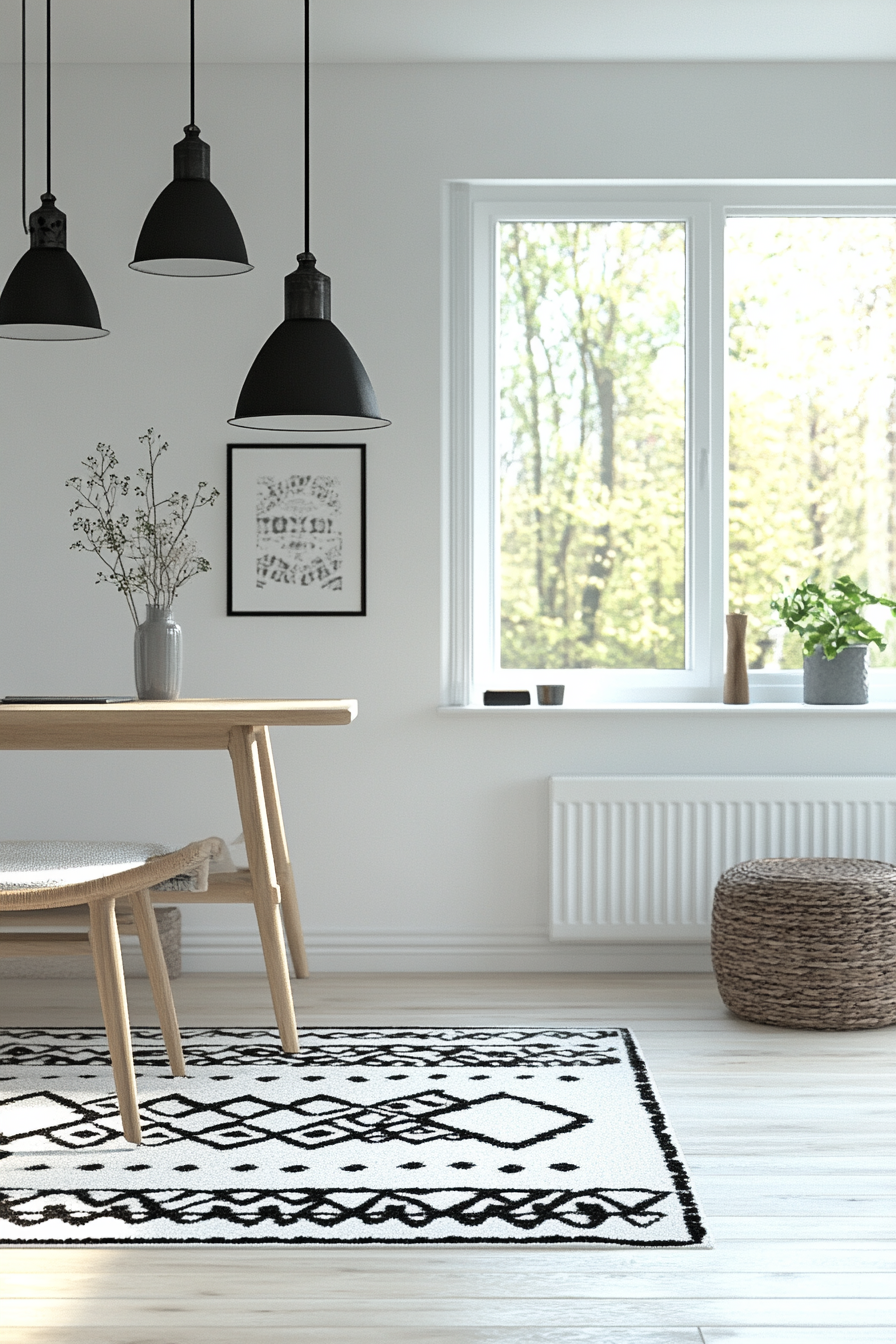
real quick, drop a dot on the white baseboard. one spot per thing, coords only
(416, 952)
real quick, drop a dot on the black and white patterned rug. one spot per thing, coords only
(370, 1134)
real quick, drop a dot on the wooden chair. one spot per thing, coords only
(43, 873)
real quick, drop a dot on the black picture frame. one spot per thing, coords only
(310, 558)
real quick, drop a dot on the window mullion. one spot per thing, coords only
(716, 588)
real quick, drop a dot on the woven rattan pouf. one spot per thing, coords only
(807, 942)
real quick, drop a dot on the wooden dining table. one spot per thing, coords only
(239, 727)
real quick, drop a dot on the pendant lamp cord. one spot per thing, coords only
(49, 122)
(307, 136)
(25, 113)
(24, 106)
(192, 62)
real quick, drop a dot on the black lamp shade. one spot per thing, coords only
(191, 230)
(306, 376)
(47, 298)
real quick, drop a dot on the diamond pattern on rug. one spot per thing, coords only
(369, 1134)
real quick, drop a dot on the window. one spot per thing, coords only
(663, 402)
(812, 414)
(590, 444)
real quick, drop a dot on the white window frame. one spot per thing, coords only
(470, 625)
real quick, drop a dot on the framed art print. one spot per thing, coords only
(296, 529)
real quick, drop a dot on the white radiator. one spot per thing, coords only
(636, 858)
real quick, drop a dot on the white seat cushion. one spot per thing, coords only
(57, 863)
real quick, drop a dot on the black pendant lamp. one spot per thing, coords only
(191, 230)
(306, 376)
(47, 297)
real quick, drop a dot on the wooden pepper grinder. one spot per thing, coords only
(737, 685)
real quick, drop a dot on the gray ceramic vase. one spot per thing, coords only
(837, 681)
(158, 656)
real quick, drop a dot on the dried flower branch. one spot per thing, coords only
(149, 553)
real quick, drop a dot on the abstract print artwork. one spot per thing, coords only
(296, 530)
(368, 1134)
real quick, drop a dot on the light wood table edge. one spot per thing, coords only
(158, 725)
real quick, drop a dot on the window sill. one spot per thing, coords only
(763, 708)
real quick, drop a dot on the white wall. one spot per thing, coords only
(421, 839)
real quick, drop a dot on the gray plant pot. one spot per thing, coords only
(837, 681)
(158, 656)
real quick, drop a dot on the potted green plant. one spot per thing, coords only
(835, 638)
(144, 552)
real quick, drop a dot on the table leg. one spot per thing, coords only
(250, 794)
(289, 903)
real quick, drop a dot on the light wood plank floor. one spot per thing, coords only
(789, 1136)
